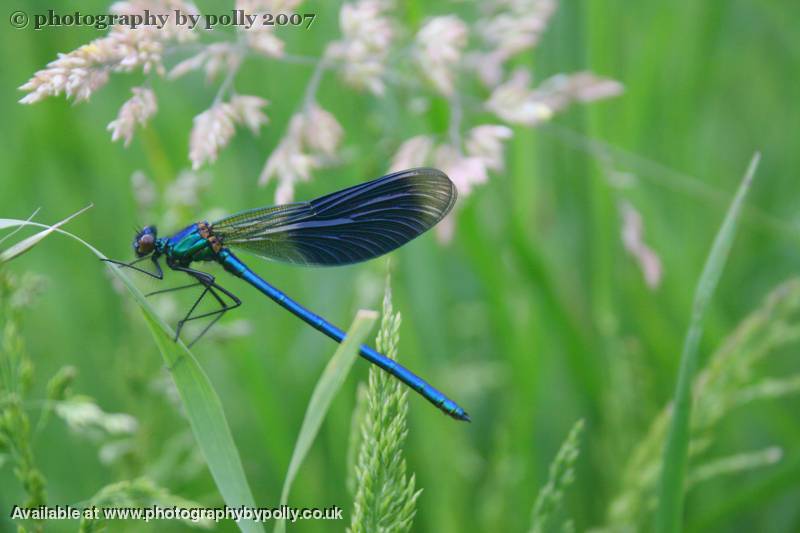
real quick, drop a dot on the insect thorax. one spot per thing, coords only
(193, 243)
(206, 233)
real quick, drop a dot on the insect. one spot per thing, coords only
(348, 226)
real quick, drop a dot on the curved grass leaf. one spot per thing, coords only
(201, 403)
(326, 388)
(669, 516)
(26, 244)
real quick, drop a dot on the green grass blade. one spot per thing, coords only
(207, 419)
(669, 515)
(202, 405)
(328, 385)
(26, 244)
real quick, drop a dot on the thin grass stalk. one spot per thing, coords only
(669, 516)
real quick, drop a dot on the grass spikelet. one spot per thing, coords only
(386, 496)
(354, 441)
(562, 475)
(16, 374)
(734, 464)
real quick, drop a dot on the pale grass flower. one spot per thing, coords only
(363, 50)
(487, 65)
(264, 41)
(516, 103)
(486, 143)
(561, 90)
(321, 130)
(261, 37)
(137, 110)
(439, 45)
(247, 110)
(465, 171)
(311, 140)
(213, 59)
(288, 163)
(633, 240)
(79, 73)
(508, 29)
(415, 152)
(214, 128)
(284, 192)
(520, 27)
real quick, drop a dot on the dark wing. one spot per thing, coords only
(348, 226)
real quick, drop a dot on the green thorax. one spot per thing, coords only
(189, 245)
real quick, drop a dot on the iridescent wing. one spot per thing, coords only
(348, 226)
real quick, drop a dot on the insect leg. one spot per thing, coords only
(208, 281)
(158, 275)
(172, 289)
(218, 313)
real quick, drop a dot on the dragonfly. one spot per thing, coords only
(355, 224)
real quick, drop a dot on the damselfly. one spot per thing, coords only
(352, 225)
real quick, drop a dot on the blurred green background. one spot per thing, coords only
(533, 317)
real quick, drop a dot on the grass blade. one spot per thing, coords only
(6, 237)
(26, 244)
(328, 385)
(202, 405)
(669, 515)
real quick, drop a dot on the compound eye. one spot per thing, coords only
(145, 244)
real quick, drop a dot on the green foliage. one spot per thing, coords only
(385, 495)
(728, 382)
(16, 375)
